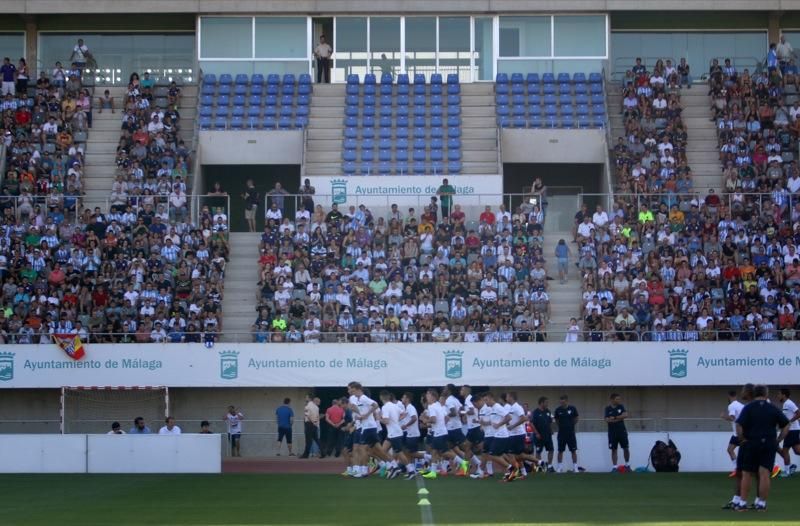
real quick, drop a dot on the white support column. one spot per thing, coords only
(402, 44)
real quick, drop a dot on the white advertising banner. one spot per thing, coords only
(425, 364)
(406, 191)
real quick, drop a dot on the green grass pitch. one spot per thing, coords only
(238, 499)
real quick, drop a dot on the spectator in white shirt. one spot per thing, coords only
(170, 428)
(600, 217)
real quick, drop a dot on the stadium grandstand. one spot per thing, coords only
(206, 202)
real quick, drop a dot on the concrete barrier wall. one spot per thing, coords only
(110, 454)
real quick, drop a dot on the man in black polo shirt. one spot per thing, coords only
(566, 416)
(755, 429)
(542, 420)
(617, 433)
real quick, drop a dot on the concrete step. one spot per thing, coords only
(326, 123)
(327, 111)
(325, 134)
(477, 111)
(477, 88)
(479, 132)
(323, 169)
(479, 168)
(481, 156)
(319, 145)
(323, 156)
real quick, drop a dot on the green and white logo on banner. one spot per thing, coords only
(6, 366)
(678, 363)
(453, 366)
(229, 365)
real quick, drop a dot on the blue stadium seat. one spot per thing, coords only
(301, 111)
(349, 168)
(501, 99)
(452, 79)
(504, 121)
(436, 89)
(242, 79)
(419, 78)
(595, 78)
(453, 120)
(518, 111)
(583, 121)
(517, 100)
(533, 79)
(240, 89)
(270, 111)
(437, 111)
(223, 100)
(367, 143)
(224, 89)
(385, 122)
(419, 168)
(548, 89)
(402, 84)
(386, 100)
(238, 111)
(534, 99)
(352, 89)
(454, 154)
(205, 123)
(370, 89)
(209, 79)
(454, 167)
(369, 100)
(437, 167)
(516, 78)
(351, 132)
(419, 143)
(580, 89)
(549, 100)
(304, 89)
(304, 79)
(418, 121)
(272, 89)
(385, 142)
(257, 79)
(401, 143)
(287, 90)
(367, 133)
(551, 122)
(402, 111)
(454, 99)
(535, 122)
(564, 89)
(517, 89)
(401, 154)
(206, 111)
(595, 89)
(369, 79)
(578, 77)
(303, 100)
(273, 79)
(269, 123)
(453, 111)
(368, 121)
(581, 110)
(353, 79)
(436, 100)
(535, 110)
(419, 155)
(384, 156)
(564, 78)
(437, 143)
(436, 78)
(352, 100)
(209, 89)
(367, 168)
(239, 100)
(221, 111)
(597, 98)
(419, 132)
(581, 99)
(254, 100)
(437, 133)
(401, 167)
(367, 155)
(351, 121)
(565, 99)
(252, 123)
(349, 143)
(501, 89)
(567, 121)
(420, 100)
(385, 89)
(225, 79)
(286, 111)
(237, 122)
(598, 121)
(289, 79)
(386, 78)
(402, 100)
(256, 89)
(401, 132)
(220, 123)
(206, 100)
(402, 121)
(550, 110)
(502, 111)
(598, 109)
(349, 155)
(385, 111)
(548, 78)
(453, 89)
(384, 167)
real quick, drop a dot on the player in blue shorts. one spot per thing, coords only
(615, 415)
(455, 434)
(390, 417)
(409, 423)
(500, 418)
(474, 434)
(437, 422)
(792, 440)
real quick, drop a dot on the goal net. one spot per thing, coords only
(94, 409)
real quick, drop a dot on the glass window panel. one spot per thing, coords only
(525, 36)
(453, 33)
(278, 37)
(580, 36)
(117, 55)
(524, 66)
(13, 46)
(384, 45)
(226, 37)
(483, 48)
(350, 47)
(421, 45)
(248, 67)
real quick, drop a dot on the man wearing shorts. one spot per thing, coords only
(755, 429)
(615, 415)
(472, 446)
(347, 430)
(233, 418)
(731, 414)
(500, 418)
(250, 196)
(365, 409)
(485, 470)
(792, 440)
(516, 434)
(542, 420)
(454, 423)
(390, 417)
(409, 424)
(437, 430)
(566, 417)
(285, 417)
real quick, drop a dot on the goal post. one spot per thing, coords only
(93, 409)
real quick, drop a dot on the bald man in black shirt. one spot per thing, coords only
(756, 429)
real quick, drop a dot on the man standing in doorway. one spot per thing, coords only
(311, 426)
(334, 417)
(251, 198)
(615, 415)
(285, 417)
(323, 53)
(446, 193)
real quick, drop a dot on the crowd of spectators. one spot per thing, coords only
(667, 264)
(138, 272)
(330, 275)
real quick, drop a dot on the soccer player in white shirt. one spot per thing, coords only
(437, 428)
(499, 419)
(473, 444)
(390, 417)
(233, 419)
(170, 428)
(409, 423)
(364, 410)
(792, 440)
(731, 414)
(516, 436)
(485, 417)
(454, 423)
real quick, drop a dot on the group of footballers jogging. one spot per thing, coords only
(755, 421)
(465, 434)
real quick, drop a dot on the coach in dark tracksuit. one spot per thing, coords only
(755, 429)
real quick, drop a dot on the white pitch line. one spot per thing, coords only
(426, 512)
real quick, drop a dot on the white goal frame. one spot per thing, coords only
(65, 389)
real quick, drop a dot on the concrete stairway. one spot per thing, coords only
(325, 130)
(241, 275)
(101, 149)
(565, 299)
(701, 149)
